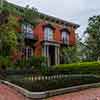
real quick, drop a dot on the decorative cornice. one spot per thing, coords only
(57, 20)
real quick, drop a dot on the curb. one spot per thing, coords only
(45, 94)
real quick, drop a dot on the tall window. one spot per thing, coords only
(27, 52)
(65, 36)
(48, 33)
(27, 30)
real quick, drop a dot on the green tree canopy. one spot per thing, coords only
(93, 38)
(70, 54)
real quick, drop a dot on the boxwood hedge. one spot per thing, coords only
(44, 85)
(78, 68)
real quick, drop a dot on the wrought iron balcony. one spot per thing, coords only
(29, 35)
(30, 39)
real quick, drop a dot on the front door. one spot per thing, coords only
(52, 55)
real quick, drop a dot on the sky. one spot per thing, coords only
(77, 11)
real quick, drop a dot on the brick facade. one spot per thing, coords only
(48, 37)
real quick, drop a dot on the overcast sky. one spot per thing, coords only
(77, 11)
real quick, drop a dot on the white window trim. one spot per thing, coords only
(48, 33)
(65, 37)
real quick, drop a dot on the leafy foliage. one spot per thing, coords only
(79, 68)
(8, 36)
(32, 62)
(70, 54)
(93, 38)
(28, 14)
(52, 84)
(5, 62)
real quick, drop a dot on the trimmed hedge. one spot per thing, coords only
(78, 68)
(75, 68)
(89, 68)
(44, 85)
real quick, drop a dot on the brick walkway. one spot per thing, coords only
(89, 94)
(7, 93)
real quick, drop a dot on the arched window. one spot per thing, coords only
(65, 36)
(48, 33)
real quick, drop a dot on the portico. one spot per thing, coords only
(51, 51)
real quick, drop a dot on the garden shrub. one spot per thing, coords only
(88, 68)
(78, 68)
(44, 85)
(32, 62)
(5, 62)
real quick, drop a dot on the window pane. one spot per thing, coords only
(27, 30)
(65, 36)
(48, 33)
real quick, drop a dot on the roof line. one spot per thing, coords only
(64, 21)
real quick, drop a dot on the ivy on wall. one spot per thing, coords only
(28, 14)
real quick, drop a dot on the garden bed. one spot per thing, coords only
(51, 84)
(56, 77)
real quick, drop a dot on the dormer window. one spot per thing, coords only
(65, 36)
(48, 32)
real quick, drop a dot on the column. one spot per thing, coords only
(56, 55)
(44, 51)
(48, 55)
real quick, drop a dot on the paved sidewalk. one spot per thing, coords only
(7, 93)
(89, 94)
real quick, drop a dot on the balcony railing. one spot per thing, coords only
(29, 35)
